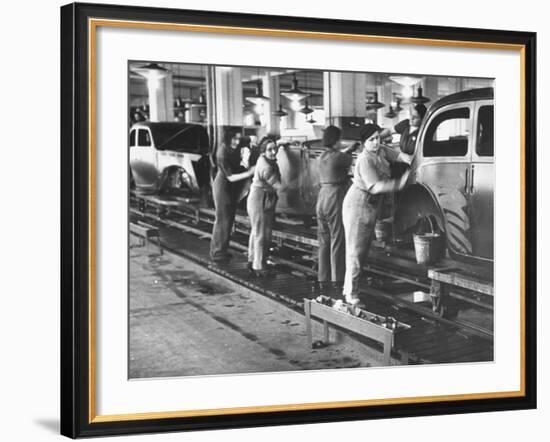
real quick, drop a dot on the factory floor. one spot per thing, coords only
(187, 321)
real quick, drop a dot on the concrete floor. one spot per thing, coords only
(186, 320)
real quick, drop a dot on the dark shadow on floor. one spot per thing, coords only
(49, 424)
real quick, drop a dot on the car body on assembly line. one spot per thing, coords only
(168, 156)
(452, 174)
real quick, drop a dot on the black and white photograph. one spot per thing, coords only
(289, 219)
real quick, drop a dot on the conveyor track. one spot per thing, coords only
(431, 339)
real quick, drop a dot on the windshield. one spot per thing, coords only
(180, 137)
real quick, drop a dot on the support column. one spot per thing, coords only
(385, 96)
(228, 99)
(344, 98)
(161, 98)
(371, 115)
(228, 96)
(430, 90)
(270, 86)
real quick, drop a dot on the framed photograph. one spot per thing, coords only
(273, 220)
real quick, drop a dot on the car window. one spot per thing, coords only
(133, 137)
(144, 139)
(448, 133)
(485, 131)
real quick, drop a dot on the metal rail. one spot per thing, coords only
(370, 291)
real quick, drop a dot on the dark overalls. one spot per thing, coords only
(225, 196)
(333, 178)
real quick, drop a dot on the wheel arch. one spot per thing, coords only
(418, 201)
(414, 203)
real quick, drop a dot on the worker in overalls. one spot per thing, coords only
(225, 191)
(362, 203)
(261, 203)
(334, 165)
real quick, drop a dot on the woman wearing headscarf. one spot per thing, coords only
(334, 167)
(261, 203)
(225, 192)
(362, 203)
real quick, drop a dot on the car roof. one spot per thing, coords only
(171, 135)
(485, 93)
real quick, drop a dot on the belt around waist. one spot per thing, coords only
(265, 189)
(371, 199)
(336, 183)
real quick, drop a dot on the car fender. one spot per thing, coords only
(448, 206)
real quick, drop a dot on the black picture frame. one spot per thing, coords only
(76, 407)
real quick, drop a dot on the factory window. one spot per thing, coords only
(144, 139)
(485, 131)
(133, 138)
(448, 133)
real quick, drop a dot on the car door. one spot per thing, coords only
(144, 159)
(444, 168)
(481, 187)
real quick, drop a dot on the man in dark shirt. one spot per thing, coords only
(408, 129)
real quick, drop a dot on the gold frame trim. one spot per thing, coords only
(93, 24)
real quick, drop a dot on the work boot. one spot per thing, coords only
(354, 302)
(263, 273)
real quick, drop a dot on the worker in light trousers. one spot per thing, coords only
(362, 203)
(261, 203)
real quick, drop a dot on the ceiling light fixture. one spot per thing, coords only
(280, 112)
(258, 98)
(390, 113)
(294, 93)
(374, 104)
(419, 98)
(405, 80)
(151, 71)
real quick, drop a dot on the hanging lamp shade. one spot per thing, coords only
(311, 121)
(306, 110)
(374, 104)
(390, 113)
(405, 80)
(151, 71)
(294, 93)
(258, 97)
(280, 112)
(397, 108)
(419, 98)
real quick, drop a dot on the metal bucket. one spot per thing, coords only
(428, 247)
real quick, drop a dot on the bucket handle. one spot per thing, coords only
(429, 218)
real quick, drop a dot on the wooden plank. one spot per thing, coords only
(307, 310)
(460, 280)
(349, 322)
(144, 231)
